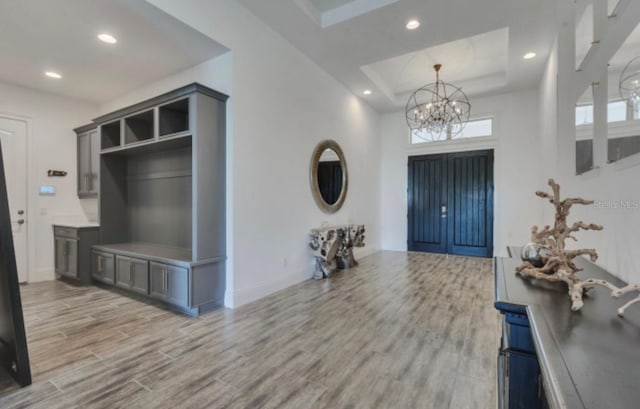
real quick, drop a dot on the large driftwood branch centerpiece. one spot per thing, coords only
(332, 248)
(557, 261)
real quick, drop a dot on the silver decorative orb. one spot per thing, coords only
(535, 253)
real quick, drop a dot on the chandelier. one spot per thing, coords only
(438, 111)
(629, 85)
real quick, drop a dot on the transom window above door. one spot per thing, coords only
(476, 128)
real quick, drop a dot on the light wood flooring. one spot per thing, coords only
(402, 330)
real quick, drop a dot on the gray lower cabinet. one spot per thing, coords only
(103, 267)
(132, 274)
(169, 283)
(66, 257)
(164, 275)
(72, 251)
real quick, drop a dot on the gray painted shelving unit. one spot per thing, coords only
(162, 199)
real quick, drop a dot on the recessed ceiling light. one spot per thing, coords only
(367, 92)
(529, 56)
(413, 24)
(53, 74)
(107, 38)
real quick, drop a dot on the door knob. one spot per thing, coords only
(20, 212)
(21, 221)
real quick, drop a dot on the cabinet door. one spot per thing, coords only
(108, 268)
(139, 276)
(60, 255)
(523, 378)
(123, 272)
(71, 248)
(84, 164)
(169, 283)
(158, 281)
(94, 170)
(96, 266)
(102, 267)
(177, 285)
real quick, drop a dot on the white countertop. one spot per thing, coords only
(77, 225)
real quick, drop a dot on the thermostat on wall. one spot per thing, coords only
(47, 190)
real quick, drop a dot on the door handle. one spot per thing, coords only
(165, 281)
(20, 212)
(21, 221)
(66, 256)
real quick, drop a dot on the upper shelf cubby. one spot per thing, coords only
(173, 117)
(110, 135)
(154, 121)
(138, 127)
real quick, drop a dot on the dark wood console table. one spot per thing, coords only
(551, 357)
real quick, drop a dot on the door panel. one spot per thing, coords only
(60, 255)
(178, 285)
(123, 272)
(94, 142)
(157, 281)
(426, 196)
(140, 276)
(470, 202)
(450, 199)
(72, 257)
(13, 136)
(84, 163)
(108, 269)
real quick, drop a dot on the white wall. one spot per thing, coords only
(608, 184)
(51, 145)
(516, 170)
(282, 104)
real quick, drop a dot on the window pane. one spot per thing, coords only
(477, 128)
(584, 115)
(473, 129)
(617, 111)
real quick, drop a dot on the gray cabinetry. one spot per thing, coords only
(88, 161)
(132, 274)
(103, 267)
(169, 283)
(162, 197)
(72, 251)
(66, 257)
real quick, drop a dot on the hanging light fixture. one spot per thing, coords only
(629, 85)
(438, 111)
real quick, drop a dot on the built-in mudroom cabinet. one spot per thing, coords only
(162, 200)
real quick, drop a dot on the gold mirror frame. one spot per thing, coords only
(313, 176)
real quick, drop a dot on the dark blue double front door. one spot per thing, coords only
(450, 198)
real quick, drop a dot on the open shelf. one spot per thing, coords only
(177, 142)
(110, 135)
(138, 128)
(173, 118)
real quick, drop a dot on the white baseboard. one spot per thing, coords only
(253, 293)
(42, 274)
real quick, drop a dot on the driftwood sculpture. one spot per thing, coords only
(558, 262)
(332, 248)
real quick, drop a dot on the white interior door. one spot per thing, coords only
(13, 136)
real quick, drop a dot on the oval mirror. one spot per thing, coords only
(328, 176)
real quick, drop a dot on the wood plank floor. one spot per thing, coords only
(402, 330)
